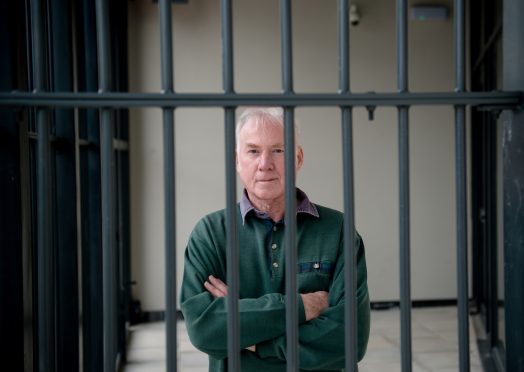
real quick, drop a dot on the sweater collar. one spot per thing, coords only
(304, 205)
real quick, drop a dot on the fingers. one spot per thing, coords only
(216, 287)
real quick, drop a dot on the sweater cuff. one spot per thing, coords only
(301, 310)
(267, 349)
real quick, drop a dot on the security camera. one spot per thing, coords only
(354, 15)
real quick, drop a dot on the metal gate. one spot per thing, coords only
(45, 101)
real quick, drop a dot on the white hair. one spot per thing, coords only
(263, 115)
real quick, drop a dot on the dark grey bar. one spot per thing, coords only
(343, 46)
(402, 46)
(227, 46)
(490, 100)
(46, 293)
(460, 46)
(166, 46)
(290, 193)
(108, 203)
(350, 282)
(462, 253)
(286, 45)
(109, 261)
(404, 213)
(350, 271)
(233, 329)
(46, 316)
(461, 184)
(405, 260)
(513, 179)
(169, 187)
(291, 245)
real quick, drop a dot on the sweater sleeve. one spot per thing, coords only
(261, 319)
(321, 340)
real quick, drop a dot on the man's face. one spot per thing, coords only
(260, 160)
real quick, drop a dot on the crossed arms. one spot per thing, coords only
(262, 319)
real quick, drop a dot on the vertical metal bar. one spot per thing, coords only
(169, 186)
(462, 227)
(513, 179)
(87, 76)
(405, 265)
(108, 203)
(286, 45)
(350, 280)
(350, 316)
(404, 212)
(66, 261)
(227, 46)
(46, 316)
(343, 45)
(291, 246)
(233, 329)
(233, 320)
(290, 193)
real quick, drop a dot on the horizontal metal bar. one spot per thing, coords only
(118, 100)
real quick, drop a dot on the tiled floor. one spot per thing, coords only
(434, 344)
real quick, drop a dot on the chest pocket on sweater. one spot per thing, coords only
(314, 276)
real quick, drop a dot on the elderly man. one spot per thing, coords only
(260, 165)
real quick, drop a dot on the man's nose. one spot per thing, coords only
(266, 161)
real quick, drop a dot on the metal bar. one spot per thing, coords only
(461, 184)
(169, 186)
(513, 179)
(291, 246)
(496, 100)
(90, 197)
(170, 239)
(233, 319)
(46, 313)
(66, 257)
(404, 212)
(350, 282)
(405, 260)
(462, 258)
(343, 46)
(108, 203)
(290, 193)
(227, 46)
(286, 46)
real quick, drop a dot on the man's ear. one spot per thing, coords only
(236, 161)
(300, 157)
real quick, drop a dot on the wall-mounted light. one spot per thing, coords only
(354, 15)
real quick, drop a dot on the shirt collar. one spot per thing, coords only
(304, 205)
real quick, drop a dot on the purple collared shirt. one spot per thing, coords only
(304, 205)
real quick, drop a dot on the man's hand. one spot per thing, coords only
(314, 303)
(216, 287)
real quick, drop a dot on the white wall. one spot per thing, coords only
(199, 132)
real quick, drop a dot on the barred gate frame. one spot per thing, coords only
(168, 100)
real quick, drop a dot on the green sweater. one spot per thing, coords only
(262, 286)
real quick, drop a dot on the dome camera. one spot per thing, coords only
(354, 15)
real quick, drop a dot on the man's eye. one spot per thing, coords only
(252, 151)
(278, 151)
